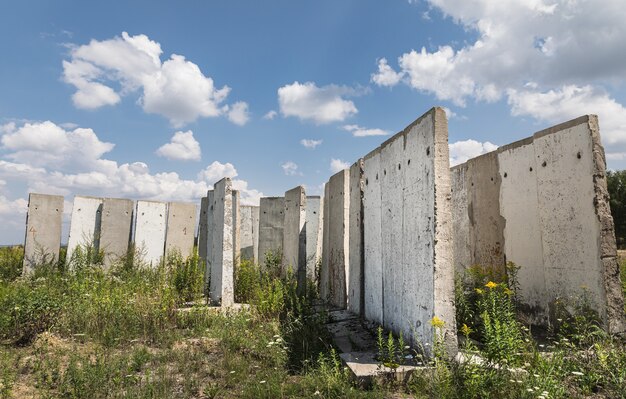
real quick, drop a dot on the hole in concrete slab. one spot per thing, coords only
(472, 184)
(376, 176)
(544, 164)
(492, 179)
(160, 215)
(142, 213)
(531, 168)
(385, 171)
(427, 150)
(505, 175)
(408, 162)
(57, 209)
(399, 166)
(366, 182)
(578, 155)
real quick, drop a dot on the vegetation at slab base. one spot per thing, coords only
(616, 184)
(73, 330)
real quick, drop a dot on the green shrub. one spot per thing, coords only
(11, 262)
(247, 281)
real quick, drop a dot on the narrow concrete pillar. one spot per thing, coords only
(294, 235)
(208, 243)
(84, 224)
(222, 262)
(271, 221)
(324, 283)
(43, 230)
(202, 229)
(313, 227)
(236, 228)
(372, 238)
(115, 229)
(356, 259)
(150, 227)
(181, 225)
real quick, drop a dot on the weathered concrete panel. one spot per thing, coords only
(372, 236)
(324, 283)
(208, 243)
(313, 227)
(115, 229)
(338, 238)
(181, 226)
(150, 226)
(222, 262)
(271, 219)
(249, 231)
(84, 224)
(460, 218)
(355, 278)
(294, 235)
(236, 203)
(203, 229)
(520, 210)
(43, 230)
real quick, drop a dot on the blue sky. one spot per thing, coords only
(161, 99)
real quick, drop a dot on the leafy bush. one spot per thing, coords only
(11, 262)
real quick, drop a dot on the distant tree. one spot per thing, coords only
(616, 182)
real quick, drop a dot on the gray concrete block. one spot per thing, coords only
(338, 237)
(313, 227)
(236, 203)
(115, 229)
(324, 283)
(43, 230)
(249, 232)
(150, 227)
(222, 262)
(208, 243)
(294, 234)
(181, 227)
(84, 224)
(202, 229)
(355, 281)
(271, 219)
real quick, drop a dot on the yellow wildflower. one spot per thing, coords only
(491, 285)
(437, 322)
(466, 330)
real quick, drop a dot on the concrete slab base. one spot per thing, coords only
(365, 369)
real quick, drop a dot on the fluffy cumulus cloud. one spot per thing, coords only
(44, 157)
(104, 71)
(461, 151)
(290, 168)
(533, 53)
(182, 147)
(358, 131)
(320, 105)
(337, 165)
(270, 115)
(310, 143)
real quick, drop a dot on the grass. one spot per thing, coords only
(133, 333)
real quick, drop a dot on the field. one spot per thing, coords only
(140, 333)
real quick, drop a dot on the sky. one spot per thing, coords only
(161, 99)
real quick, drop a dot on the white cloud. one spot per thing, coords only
(461, 151)
(358, 131)
(270, 115)
(310, 143)
(43, 157)
(182, 147)
(386, 76)
(238, 113)
(290, 168)
(337, 165)
(321, 105)
(176, 88)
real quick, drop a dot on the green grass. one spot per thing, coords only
(131, 333)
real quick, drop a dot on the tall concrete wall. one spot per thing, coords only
(249, 228)
(115, 229)
(271, 219)
(43, 230)
(407, 232)
(150, 226)
(84, 224)
(203, 229)
(550, 194)
(236, 203)
(324, 283)
(313, 227)
(181, 228)
(208, 242)
(222, 262)
(294, 234)
(337, 245)
(356, 292)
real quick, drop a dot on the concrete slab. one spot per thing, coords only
(324, 283)
(294, 234)
(115, 229)
(356, 291)
(43, 230)
(271, 219)
(338, 237)
(203, 229)
(150, 228)
(181, 228)
(313, 227)
(365, 369)
(247, 232)
(222, 262)
(85, 224)
(236, 203)
(208, 243)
